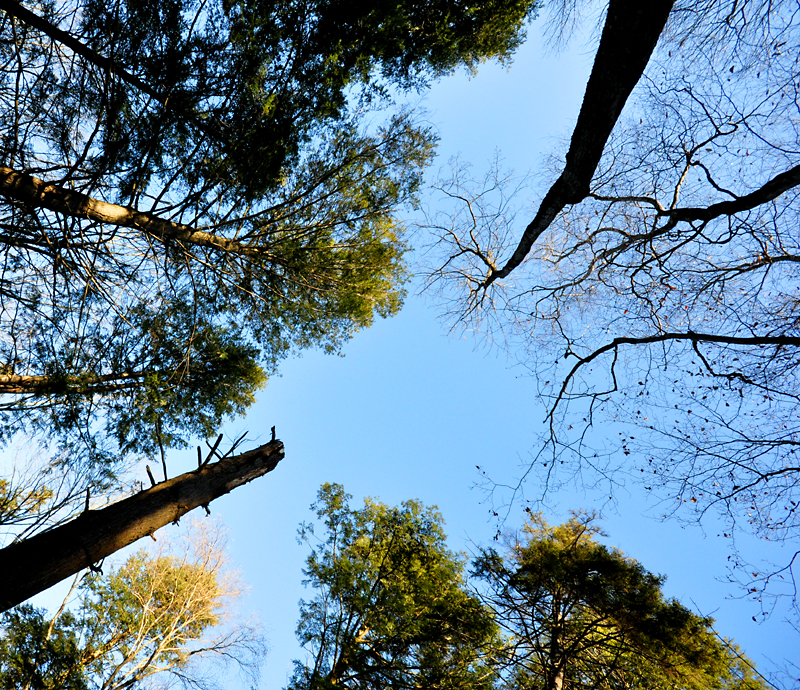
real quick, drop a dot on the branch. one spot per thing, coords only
(663, 337)
(37, 193)
(629, 37)
(96, 383)
(33, 565)
(771, 190)
(15, 9)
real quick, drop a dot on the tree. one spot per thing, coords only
(582, 615)
(157, 613)
(36, 563)
(38, 654)
(191, 191)
(390, 606)
(654, 287)
(206, 165)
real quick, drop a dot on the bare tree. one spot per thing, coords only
(656, 304)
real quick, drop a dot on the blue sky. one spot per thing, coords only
(410, 410)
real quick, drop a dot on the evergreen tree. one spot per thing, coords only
(390, 606)
(582, 615)
(39, 654)
(189, 191)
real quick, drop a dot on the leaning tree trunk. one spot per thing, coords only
(630, 34)
(32, 565)
(35, 193)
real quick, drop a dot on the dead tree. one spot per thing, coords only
(33, 565)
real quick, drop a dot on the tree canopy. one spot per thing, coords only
(554, 610)
(654, 284)
(582, 615)
(390, 608)
(190, 191)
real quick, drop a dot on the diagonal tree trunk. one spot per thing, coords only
(31, 566)
(36, 193)
(15, 9)
(630, 34)
(88, 384)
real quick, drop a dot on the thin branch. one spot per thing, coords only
(664, 337)
(15, 9)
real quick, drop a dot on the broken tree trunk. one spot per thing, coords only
(32, 565)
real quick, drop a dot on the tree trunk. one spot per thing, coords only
(630, 34)
(554, 678)
(13, 8)
(33, 565)
(91, 384)
(36, 193)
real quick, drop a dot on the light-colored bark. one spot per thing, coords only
(33, 565)
(36, 193)
(20, 384)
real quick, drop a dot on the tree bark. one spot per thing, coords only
(629, 37)
(33, 565)
(92, 384)
(556, 663)
(770, 191)
(36, 193)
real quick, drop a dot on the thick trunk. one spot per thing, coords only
(36, 193)
(33, 565)
(629, 37)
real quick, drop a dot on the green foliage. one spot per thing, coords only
(252, 82)
(35, 657)
(194, 375)
(390, 606)
(19, 499)
(146, 614)
(151, 380)
(330, 250)
(250, 133)
(582, 615)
